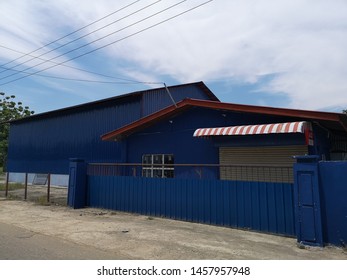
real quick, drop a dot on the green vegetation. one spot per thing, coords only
(42, 200)
(11, 186)
(9, 110)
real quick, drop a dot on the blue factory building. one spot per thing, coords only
(43, 143)
(180, 153)
(211, 132)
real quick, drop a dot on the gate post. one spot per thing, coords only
(307, 201)
(76, 197)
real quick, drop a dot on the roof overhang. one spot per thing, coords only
(330, 121)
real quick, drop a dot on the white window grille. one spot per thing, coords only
(158, 165)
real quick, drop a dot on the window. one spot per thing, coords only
(158, 166)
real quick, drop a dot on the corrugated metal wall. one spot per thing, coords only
(44, 144)
(266, 207)
(157, 99)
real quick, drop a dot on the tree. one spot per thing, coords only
(344, 111)
(9, 110)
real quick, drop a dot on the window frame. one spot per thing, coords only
(157, 166)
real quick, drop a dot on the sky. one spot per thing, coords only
(279, 53)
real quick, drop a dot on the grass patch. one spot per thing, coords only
(11, 187)
(42, 200)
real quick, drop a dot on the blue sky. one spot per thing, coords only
(281, 53)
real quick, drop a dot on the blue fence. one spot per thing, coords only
(333, 194)
(259, 206)
(320, 191)
(255, 198)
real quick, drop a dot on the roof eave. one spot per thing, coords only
(124, 131)
(186, 103)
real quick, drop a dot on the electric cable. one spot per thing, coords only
(72, 41)
(72, 67)
(124, 81)
(71, 33)
(113, 42)
(87, 44)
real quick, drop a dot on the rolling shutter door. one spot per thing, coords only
(266, 164)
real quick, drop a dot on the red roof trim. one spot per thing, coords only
(266, 110)
(142, 123)
(187, 103)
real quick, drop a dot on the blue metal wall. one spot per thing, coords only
(175, 136)
(156, 99)
(266, 207)
(44, 144)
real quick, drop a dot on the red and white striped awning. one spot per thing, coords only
(290, 127)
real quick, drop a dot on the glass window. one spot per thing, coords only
(168, 159)
(147, 159)
(158, 166)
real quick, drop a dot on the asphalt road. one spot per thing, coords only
(32, 231)
(20, 244)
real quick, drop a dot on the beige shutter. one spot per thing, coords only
(265, 164)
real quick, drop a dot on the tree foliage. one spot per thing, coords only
(10, 110)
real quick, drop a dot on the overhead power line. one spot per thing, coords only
(64, 65)
(75, 40)
(121, 80)
(71, 33)
(129, 81)
(114, 42)
(80, 47)
(94, 41)
(75, 68)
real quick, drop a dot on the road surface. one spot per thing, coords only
(20, 244)
(55, 232)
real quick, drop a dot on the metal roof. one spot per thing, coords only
(119, 98)
(331, 121)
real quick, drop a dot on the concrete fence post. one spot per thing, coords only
(77, 183)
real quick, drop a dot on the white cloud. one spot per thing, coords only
(300, 43)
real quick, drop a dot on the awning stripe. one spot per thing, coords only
(290, 127)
